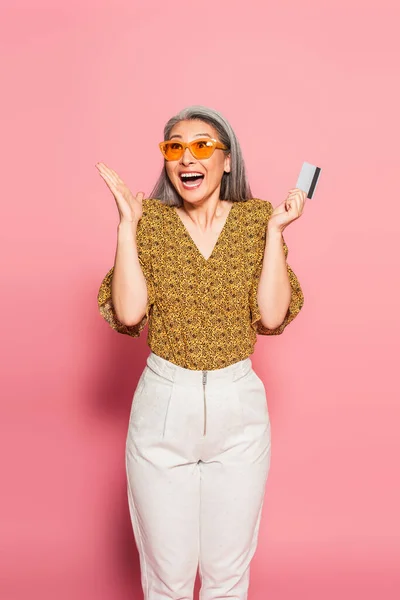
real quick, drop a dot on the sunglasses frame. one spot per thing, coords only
(215, 143)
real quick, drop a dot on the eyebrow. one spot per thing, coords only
(197, 135)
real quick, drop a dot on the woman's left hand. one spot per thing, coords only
(288, 211)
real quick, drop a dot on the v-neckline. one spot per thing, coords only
(221, 234)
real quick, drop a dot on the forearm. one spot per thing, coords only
(274, 290)
(128, 286)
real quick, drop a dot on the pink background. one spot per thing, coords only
(309, 80)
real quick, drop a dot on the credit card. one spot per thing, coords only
(308, 178)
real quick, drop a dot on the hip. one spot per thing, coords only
(171, 401)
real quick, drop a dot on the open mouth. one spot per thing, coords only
(191, 181)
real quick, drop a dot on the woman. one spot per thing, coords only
(205, 263)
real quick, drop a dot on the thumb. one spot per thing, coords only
(139, 197)
(280, 208)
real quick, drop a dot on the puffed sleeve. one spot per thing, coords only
(297, 297)
(104, 299)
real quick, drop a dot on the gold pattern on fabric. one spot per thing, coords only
(202, 314)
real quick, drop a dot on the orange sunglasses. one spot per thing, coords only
(201, 148)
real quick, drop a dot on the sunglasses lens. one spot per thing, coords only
(172, 150)
(202, 148)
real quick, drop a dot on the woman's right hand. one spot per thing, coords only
(130, 207)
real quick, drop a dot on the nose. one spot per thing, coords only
(187, 157)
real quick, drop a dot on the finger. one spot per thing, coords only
(300, 206)
(289, 205)
(108, 181)
(292, 194)
(300, 191)
(112, 174)
(299, 196)
(101, 166)
(112, 178)
(302, 195)
(302, 200)
(298, 203)
(294, 191)
(105, 175)
(115, 176)
(294, 206)
(103, 170)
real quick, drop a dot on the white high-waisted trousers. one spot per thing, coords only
(198, 453)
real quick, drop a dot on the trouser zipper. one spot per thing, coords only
(204, 401)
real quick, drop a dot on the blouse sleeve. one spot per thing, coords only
(296, 300)
(104, 299)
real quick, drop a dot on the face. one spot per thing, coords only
(210, 169)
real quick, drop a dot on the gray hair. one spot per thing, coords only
(234, 185)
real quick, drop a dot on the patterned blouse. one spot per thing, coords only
(202, 314)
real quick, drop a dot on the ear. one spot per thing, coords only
(227, 163)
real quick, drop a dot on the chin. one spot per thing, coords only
(192, 197)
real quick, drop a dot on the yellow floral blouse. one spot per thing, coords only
(202, 314)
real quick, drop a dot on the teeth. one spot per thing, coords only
(191, 174)
(193, 183)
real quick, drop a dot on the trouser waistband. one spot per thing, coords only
(176, 373)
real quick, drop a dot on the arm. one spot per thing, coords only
(128, 287)
(126, 293)
(275, 296)
(274, 289)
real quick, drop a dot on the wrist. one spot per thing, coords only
(126, 230)
(274, 232)
(127, 225)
